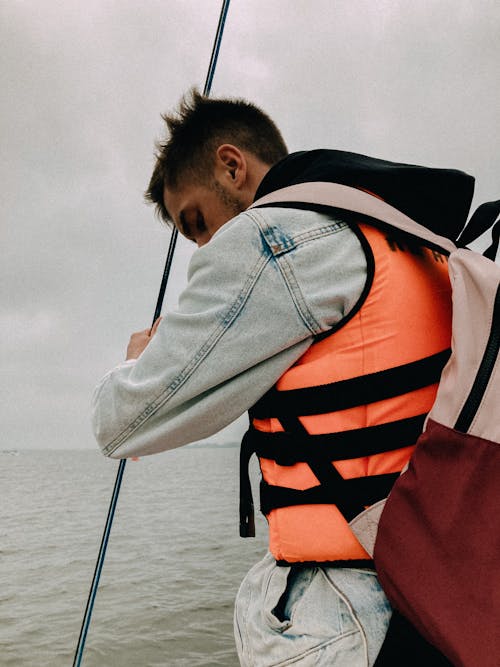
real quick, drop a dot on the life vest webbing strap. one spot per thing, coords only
(334, 485)
(359, 490)
(327, 475)
(353, 392)
(247, 515)
(290, 448)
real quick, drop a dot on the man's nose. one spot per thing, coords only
(203, 240)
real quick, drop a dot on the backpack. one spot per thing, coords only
(437, 550)
(436, 539)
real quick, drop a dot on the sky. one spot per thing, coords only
(84, 86)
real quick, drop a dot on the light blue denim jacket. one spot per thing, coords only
(267, 282)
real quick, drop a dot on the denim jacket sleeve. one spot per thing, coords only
(257, 294)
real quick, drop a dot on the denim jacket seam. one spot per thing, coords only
(321, 232)
(194, 362)
(286, 270)
(297, 296)
(310, 235)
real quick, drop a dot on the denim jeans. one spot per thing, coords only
(305, 616)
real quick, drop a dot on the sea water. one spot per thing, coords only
(173, 565)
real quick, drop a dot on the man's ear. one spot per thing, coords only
(231, 166)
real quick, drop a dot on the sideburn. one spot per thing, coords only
(233, 205)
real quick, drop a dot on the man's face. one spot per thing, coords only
(198, 211)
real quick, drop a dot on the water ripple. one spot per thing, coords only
(173, 566)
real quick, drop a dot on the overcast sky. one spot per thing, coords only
(83, 86)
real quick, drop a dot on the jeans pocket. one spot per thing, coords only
(294, 615)
(284, 590)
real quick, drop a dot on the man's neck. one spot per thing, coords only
(256, 173)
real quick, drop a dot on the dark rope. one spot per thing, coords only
(121, 467)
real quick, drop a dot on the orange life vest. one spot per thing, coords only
(338, 427)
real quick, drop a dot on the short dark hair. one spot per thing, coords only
(195, 131)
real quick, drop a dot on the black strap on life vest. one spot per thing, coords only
(247, 515)
(351, 496)
(295, 444)
(346, 494)
(288, 448)
(353, 392)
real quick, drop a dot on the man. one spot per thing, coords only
(282, 302)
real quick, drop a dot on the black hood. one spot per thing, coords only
(439, 199)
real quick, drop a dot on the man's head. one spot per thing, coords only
(208, 169)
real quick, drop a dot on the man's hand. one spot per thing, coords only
(140, 340)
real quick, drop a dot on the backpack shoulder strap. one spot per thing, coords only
(482, 219)
(334, 195)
